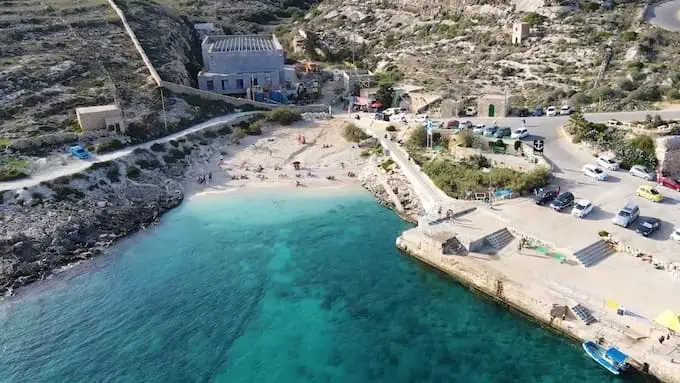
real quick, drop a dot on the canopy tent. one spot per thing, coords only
(616, 356)
(670, 320)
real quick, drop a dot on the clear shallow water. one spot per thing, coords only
(269, 288)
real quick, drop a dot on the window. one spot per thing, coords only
(239, 83)
(225, 84)
(211, 85)
(254, 81)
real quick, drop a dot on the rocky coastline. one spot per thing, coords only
(391, 189)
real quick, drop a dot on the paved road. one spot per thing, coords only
(76, 166)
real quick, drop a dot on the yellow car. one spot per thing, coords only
(648, 192)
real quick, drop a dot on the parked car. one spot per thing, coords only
(648, 226)
(642, 172)
(452, 124)
(595, 172)
(675, 235)
(467, 124)
(648, 192)
(614, 123)
(627, 215)
(422, 118)
(608, 162)
(479, 129)
(502, 132)
(582, 208)
(79, 152)
(562, 201)
(544, 195)
(565, 110)
(489, 131)
(539, 111)
(470, 111)
(551, 111)
(520, 133)
(670, 182)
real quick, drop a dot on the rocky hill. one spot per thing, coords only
(464, 48)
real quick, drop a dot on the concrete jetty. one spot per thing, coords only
(475, 250)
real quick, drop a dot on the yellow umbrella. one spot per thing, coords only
(670, 320)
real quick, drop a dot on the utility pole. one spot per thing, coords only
(165, 118)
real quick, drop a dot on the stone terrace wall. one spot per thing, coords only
(668, 153)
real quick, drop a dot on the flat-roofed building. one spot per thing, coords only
(234, 63)
(101, 117)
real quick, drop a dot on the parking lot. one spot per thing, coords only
(608, 197)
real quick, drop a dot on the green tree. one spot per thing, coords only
(385, 94)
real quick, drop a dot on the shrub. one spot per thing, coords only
(224, 130)
(148, 164)
(629, 36)
(284, 116)
(465, 138)
(8, 173)
(385, 165)
(173, 143)
(645, 93)
(603, 233)
(365, 153)
(173, 155)
(102, 165)
(63, 192)
(353, 133)
(418, 138)
(113, 174)
(391, 128)
(455, 179)
(132, 172)
(209, 134)
(109, 146)
(158, 147)
(254, 129)
(533, 18)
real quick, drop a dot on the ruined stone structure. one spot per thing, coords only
(520, 32)
(233, 64)
(668, 153)
(492, 105)
(101, 117)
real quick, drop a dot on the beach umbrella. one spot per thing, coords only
(670, 320)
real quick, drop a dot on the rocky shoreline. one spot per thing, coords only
(391, 189)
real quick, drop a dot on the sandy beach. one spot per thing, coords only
(326, 160)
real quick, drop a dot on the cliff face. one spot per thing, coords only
(168, 38)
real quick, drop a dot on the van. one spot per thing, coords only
(626, 215)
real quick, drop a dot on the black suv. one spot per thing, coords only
(562, 201)
(545, 195)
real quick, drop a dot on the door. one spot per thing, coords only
(492, 110)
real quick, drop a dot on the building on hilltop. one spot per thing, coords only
(520, 32)
(235, 63)
(492, 105)
(101, 117)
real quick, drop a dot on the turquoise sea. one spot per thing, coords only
(266, 287)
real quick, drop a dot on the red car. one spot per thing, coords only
(670, 182)
(452, 124)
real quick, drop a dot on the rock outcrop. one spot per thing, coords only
(391, 188)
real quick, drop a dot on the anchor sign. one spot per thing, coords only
(538, 146)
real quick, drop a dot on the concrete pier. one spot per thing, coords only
(536, 300)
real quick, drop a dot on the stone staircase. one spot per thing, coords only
(594, 253)
(584, 314)
(499, 239)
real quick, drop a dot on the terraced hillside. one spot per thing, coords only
(56, 55)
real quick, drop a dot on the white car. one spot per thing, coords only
(642, 172)
(675, 235)
(551, 111)
(565, 110)
(422, 118)
(595, 173)
(467, 124)
(479, 129)
(582, 208)
(608, 162)
(519, 133)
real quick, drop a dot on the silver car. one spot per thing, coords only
(627, 215)
(642, 172)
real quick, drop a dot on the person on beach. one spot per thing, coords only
(209, 177)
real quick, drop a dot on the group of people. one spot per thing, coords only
(204, 178)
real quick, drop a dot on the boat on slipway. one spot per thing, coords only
(610, 358)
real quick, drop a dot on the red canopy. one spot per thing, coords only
(377, 105)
